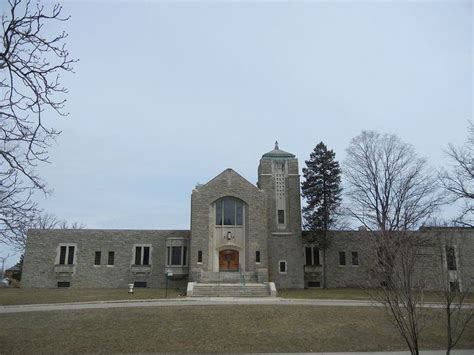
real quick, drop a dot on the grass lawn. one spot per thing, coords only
(347, 294)
(14, 296)
(238, 328)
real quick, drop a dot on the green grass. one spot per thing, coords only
(348, 294)
(236, 328)
(15, 296)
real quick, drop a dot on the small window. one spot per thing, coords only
(283, 267)
(281, 216)
(454, 286)
(355, 258)
(199, 256)
(66, 255)
(70, 255)
(111, 259)
(257, 256)
(451, 258)
(342, 258)
(138, 255)
(316, 260)
(314, 284)
(97, 258)
(142, 255)
(309, 260)
(64, 284)
(146, 255)
(175, 255)
(140, 284)
(312, 256)
(62, 255)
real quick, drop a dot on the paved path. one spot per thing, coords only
(422, 352)
(203, 301)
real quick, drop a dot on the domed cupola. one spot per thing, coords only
(278, 153)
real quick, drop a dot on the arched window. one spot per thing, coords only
(229, 212)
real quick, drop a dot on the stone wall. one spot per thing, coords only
(430, 260)
(42, 248)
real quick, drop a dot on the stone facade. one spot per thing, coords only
(209, 239)
(42, 268)
(239, 231)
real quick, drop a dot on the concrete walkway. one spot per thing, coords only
(422, 352)
(202, 301)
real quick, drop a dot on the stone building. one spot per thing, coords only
(240, 233)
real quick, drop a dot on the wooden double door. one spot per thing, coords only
(228, 260)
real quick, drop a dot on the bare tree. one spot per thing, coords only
(42, 220)
(389, 187)
(391, 192)
(450, 259)
(30, 92)
(460, 180)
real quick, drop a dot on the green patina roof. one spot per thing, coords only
(278, 153)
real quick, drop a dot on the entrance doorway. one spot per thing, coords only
(228, 260)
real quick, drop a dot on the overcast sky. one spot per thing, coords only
(167, 95)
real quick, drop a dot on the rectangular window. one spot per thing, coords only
(70, 255)
(111, 259)
(229, 212)
(199, 256)
(281, 216)
(355, 258)
(308, 258)
(451, 258)
(454, 286)
(138, 255)
(342, 258)
(66, 255)
(316, 260)
(139, 284)
(282, 267)
(176, 256)
(98, 255)
(239, 213)
(64, 284)
(62, 255)
(142, 255)
(219, 213)
(257, 256)
(146, 255)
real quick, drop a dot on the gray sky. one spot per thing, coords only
(167, 95)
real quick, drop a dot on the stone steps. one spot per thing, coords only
(230, 290)
(227, 277)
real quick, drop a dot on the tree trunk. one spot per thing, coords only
(324, 268)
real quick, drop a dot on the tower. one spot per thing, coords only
(278, 177)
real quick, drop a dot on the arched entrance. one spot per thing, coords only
(228, 260)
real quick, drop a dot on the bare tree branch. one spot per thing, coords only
(391, 193)
(459, 182)
(30, 92)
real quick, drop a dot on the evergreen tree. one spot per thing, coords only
(322, 190)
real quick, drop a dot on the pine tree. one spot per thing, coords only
(322, 190)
